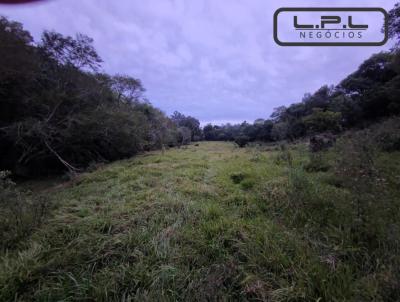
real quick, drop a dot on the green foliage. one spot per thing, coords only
(242, 140)
(320, 121)
(387, 134)
(247, 184)
(237, 177)
(284, 156)
(184, 225)
(317, 163)
(184, 136)
(394, 22)
(57, 113)
(190, 123)
(356, 168)
(20, 213)
(351, 227)
(280, 131)
(362, 98)
(260, 130)
(176, 227)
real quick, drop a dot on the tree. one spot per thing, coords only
(320, 99)
(184, 136)
(367, 86)
(394, 23)
(127, 88)
(57, 113)
(320, 121)
(189, 122)
(278, 113)
(208, 131)
(78, 52)
(265, 131)
(16, 52)
(279, 131)
(373, 72)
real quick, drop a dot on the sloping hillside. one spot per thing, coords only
(211, 222)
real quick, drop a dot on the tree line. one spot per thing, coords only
(59, 112)
(369, 94)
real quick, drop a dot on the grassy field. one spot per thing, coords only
(208, 223)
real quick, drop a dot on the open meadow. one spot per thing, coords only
(211, 221)
(175, 151)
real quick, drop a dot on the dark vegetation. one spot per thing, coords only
(368, 95)
(58, 112)
(215, 222)
(20, 212)
(270, 222)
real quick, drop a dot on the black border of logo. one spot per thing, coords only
(330, 9)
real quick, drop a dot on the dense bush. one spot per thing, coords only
(242, 140)
(284, 156)
(189, 124)
(354, 224)
(317, 163)
(387, 134)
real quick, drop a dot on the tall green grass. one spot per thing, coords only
(214, 223)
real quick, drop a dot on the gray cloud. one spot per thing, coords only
(215, 60)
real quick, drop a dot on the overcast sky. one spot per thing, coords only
(212, 59)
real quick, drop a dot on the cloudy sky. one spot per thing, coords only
(212, 59)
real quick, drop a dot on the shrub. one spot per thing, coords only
(354, 161)
(184, 136)
(284, 156)
(237, 177)
(320, 121)
(247, 184)
(317, 163)
(20, 213)
(300, 189)
(371, 202)
(387, 134)
(242, 140)
(322, 142)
